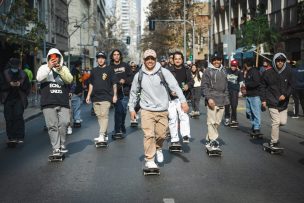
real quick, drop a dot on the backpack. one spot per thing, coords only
(162, 81)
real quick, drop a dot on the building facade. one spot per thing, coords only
(285, 15)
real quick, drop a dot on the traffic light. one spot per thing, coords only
(128, 39)
(151, 25)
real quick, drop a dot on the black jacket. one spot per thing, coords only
(252, 82)
(189, 81)
(122, 71)
(275, 84)
(23, 90)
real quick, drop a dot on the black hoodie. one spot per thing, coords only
(276, 83)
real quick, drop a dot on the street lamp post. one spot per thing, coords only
(69, 39)
(193, 35)
(185, 48)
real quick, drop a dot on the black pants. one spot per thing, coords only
(234, 98)
(13, 114)
(196, 97)
(298, 98)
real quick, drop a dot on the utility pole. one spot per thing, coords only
(185, 48)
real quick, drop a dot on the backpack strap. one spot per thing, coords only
(163, 82)
(140, 76)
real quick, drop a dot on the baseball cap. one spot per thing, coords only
(216, 56)
(149, 52)
(101, 54)
(234, 63)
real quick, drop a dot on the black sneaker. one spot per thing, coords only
(186, 139)
(274, 145)
(295, 116)
(123, 129)
(214, 144)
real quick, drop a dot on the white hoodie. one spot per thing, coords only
(45, 74)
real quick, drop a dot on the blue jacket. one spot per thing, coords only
(298, 75)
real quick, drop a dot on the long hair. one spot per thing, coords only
(111, 56)
(196, 73)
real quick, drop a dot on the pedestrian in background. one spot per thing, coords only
(215, 89)
(298, 90)
(15, 89)
(54, 79)
(124, 80)
(196, 90)
(276, 88)
(235, 81)
(154, 103)
(252, 83)
(76, 91)
(102, 92)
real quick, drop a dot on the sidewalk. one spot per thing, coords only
(33, 110)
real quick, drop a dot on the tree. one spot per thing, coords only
(167, 36)
(22, 27)
(108, 41)
(257, 31)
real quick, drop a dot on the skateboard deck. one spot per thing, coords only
(77, 125)
(233, 125)
(256, 136)
(101, 144)
(12, 143)
(117, 136)
(272, 150)
(175, 148)
(151, 171)
(56, 158)
(213, 152)
(133, 124)
(195, 117)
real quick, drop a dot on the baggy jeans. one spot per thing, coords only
(101, 110)
(214, 118)
(278, 118)
(177, 114)
(253, 111)
(154, 126)
(57, 119)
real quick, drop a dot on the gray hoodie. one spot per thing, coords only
(154, 96)
(215, 85)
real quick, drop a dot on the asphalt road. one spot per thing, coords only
(245, 173)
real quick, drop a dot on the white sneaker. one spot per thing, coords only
(150, 164)
(100, 138)
(56, 152)
(69, 131)
(78, 121)
(159, 156)
(63, 149)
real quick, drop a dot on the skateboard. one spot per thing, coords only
(256, 136)
(195, 116)
(213, 152)
(151, 171)
(77, 125)
(12, 143)
(56, 158)
(175, 148)
(134, 124)
(233, 125)
(271, 150)
(117, 136)
(101, 144)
